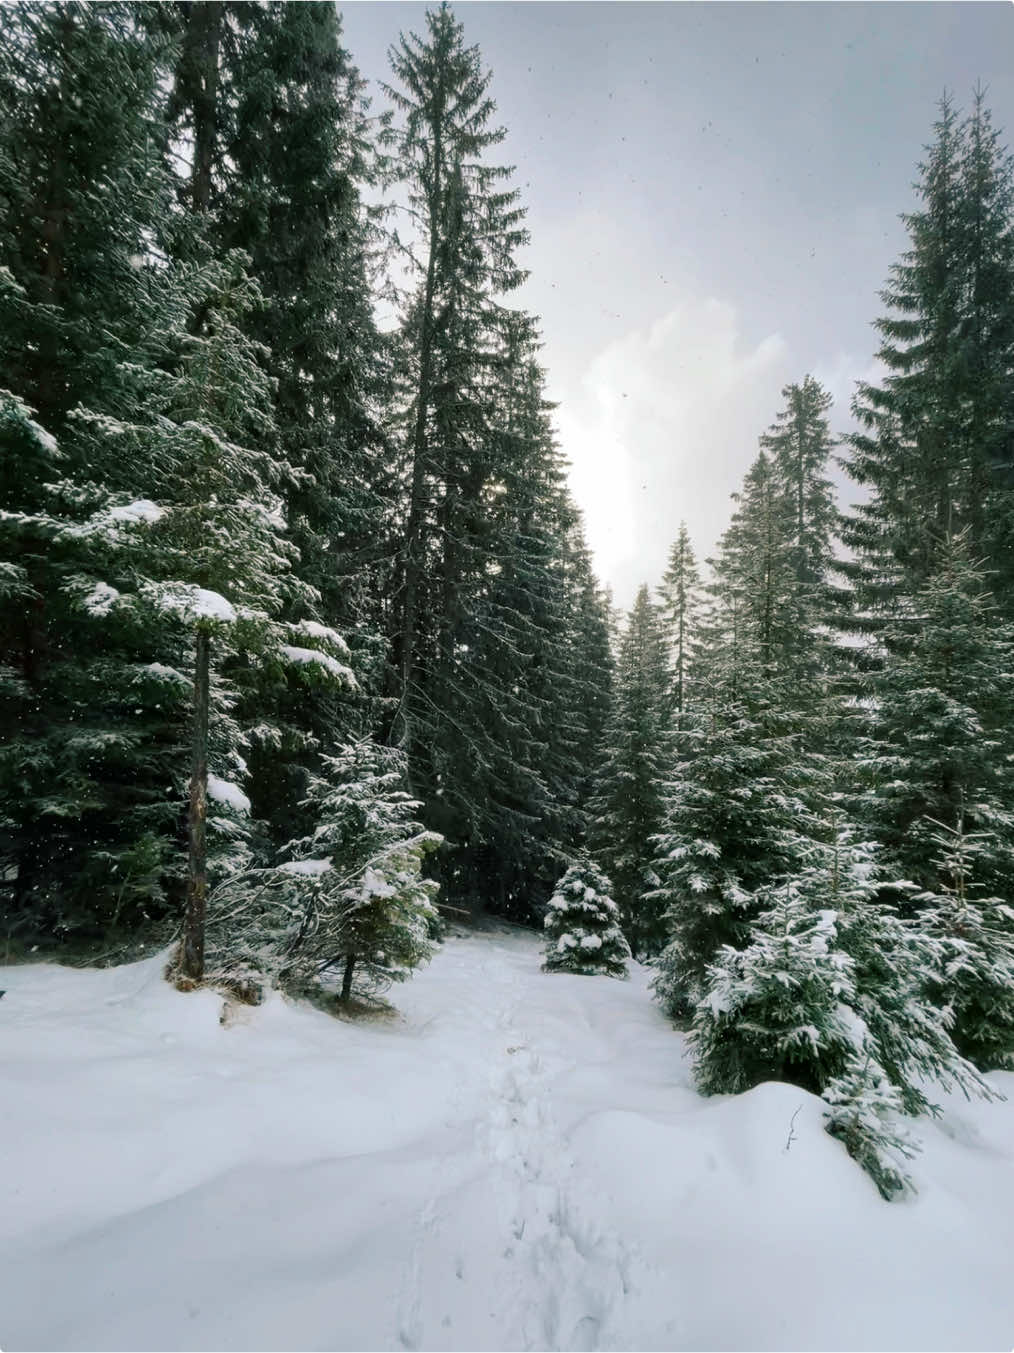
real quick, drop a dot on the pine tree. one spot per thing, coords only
(278, 123)
(775, 1010)
(799, 444)
(933, 449)
(830, 993)
(974, 981)
(470, 229)
(366, 909)
(939, 746)
(582, 925)
(627, 807)
(680, 597)
(82, 772)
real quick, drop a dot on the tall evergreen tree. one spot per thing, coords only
(480, 669)
(85, 827)
(938, 746)
(933, 449)
(276, 118)
(799, 444)
(627, 807)
(750, 759)
(470, 228)
(680, 597)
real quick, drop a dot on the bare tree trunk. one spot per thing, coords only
(350, 966)
(205, 33)
(192, 947)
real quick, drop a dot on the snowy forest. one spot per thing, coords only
(304, 659)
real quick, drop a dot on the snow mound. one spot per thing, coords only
(520, 1161)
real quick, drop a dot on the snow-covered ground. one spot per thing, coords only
(519, 1161)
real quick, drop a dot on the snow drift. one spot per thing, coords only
(517, 1161)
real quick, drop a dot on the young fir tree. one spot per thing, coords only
(829, 993)
(731, 815)
(627, 807)
(974, 979)
(776, 1008)
(348, 899)
(582, 925)
(932, 446)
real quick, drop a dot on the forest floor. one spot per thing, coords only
(515, 1160)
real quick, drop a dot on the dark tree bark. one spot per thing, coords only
(350, 966)
(192, 947)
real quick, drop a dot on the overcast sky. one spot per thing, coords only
(713, 194)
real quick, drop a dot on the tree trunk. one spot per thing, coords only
(350, 966)
(416, 527)
(205, 33)
(192, 948)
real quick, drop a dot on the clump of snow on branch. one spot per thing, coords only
(303, 656)
(225, 791)
(188, 601)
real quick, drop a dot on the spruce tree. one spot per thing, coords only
(470, 228)
(799, 444)
(480, 679)
(205, 558)
(830, 993)
(932, 449)
(974, 978)
(582, 925)
(83, 772)
(627, 806)
(750, 755)
(365, 909)
(278, 123)
(775, 1009)
(680, 599)
(938, 746)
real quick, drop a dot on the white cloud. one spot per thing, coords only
(662, 426)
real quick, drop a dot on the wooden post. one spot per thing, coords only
(192, 947)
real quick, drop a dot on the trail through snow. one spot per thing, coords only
(519, 1161)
